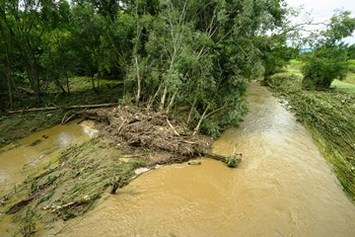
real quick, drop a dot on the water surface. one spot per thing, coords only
(282, 188)
(34, 152)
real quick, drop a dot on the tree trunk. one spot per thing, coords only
(203, 116)
(59, 85)
(138, 95)
(67, 82)
(172, 99)
(9, 91)
(163, 97)
(9, 77)
(34, 79)
(94, 88)
(64, 108)
(191, 111)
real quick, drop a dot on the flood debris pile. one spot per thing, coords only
(162, 140)
(131, 142)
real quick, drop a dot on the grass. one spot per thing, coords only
(330, 118)
(80, 93)
(14, 127)
(20, 125)
(71, 186)
(348, 84)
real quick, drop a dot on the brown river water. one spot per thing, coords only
(283, 187)
(34, 152)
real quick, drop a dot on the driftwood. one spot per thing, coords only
(21, 204)
(66, 119)
(219, 157)
(172, 127)
(63, 108)
(79, 202)
(120, 182)
(231, 161)
(33, 110)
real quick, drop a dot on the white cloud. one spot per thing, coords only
(323, 10)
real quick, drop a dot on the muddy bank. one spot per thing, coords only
(31, 156)
(283, 187)
(67, 187)
(130, 142)
(17, 126)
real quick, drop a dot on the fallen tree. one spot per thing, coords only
(162, 139)
(93, 106)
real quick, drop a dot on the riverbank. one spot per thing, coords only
(131, 141)
(329, 116)
(283, 187)
(19, 125)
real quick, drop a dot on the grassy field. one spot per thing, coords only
(19, 125)
(328, 115)
(348, 84)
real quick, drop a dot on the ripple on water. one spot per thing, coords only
(283, 187)
(32, 152)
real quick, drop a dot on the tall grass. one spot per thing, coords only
(330, 117)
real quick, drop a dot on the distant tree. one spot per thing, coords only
(328, 61)
(275, 54)
(351, 51)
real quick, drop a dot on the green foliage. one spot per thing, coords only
(199, 55)
(328, 61)
(169, 54)
(329, 116)
(275, 54)
(323, 66)
(351, 51)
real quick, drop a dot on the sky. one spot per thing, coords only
(322, 10)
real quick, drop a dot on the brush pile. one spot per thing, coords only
(164, 140)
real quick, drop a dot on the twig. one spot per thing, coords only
(172, 127)
(64, 108)
(70, 117)
(120, 127)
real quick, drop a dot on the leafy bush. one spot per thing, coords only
(323, 66)
(329, 59)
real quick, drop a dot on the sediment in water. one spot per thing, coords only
(130, 138)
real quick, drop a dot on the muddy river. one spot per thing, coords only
(34, 152)
(283, 187)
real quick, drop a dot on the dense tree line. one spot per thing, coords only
(191, 54)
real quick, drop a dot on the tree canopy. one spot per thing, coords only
(329, 59)
(195, 55)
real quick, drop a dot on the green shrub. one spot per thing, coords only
(323, 66)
